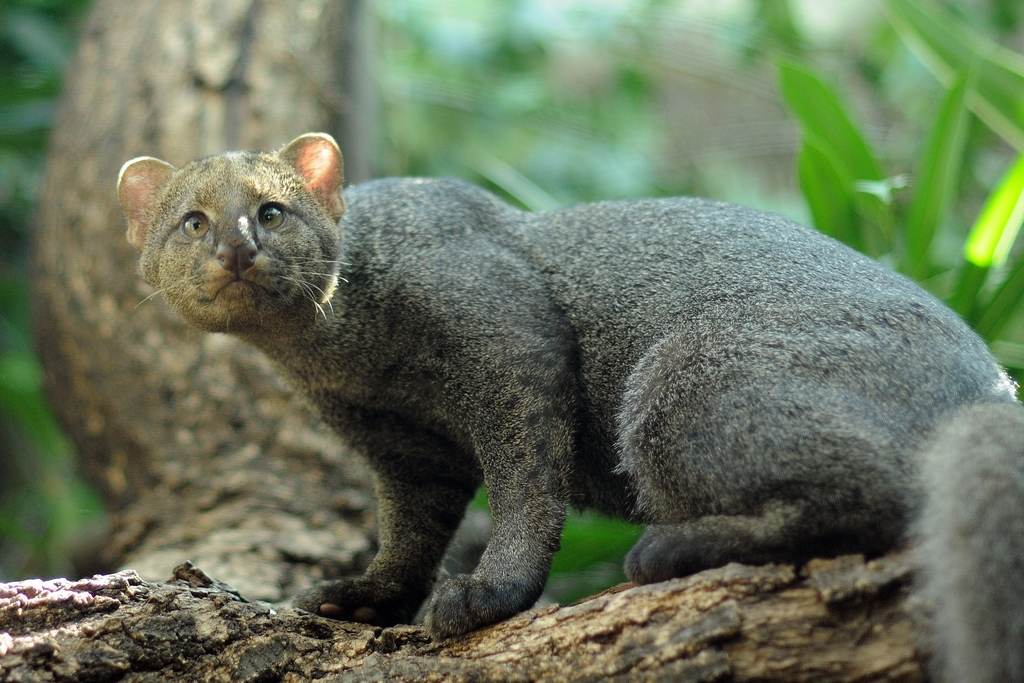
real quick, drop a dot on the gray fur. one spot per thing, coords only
(750, 388)
(972, 549)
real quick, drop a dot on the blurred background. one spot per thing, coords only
(895, 126)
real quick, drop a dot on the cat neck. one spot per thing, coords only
(306, 343)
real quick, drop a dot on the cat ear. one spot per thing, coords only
(139, 186)
(316, 157)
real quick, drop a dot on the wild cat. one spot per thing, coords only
(749, 388)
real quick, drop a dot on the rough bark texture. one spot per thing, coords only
(841, 620)
(203, 454)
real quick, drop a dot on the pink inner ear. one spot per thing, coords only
(139, 186)
(140, 192)
(315, 165)
(317, 160)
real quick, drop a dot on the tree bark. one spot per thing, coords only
(839, 620)
(202, 453)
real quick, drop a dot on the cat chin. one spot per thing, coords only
(228, 312)
(220, 321)
(240, 307)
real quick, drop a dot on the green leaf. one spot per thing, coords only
(513, 183)
(882, 189)
(26, 117)
(820, 112)
(823, 118)
(997, 229)
(1004, 304)
(994, 232)
(19, 375)
(948, 48)
(774, 29)
(827, 194)
(937, 175)
(990, 239)
(41, 41)
(969, 281)
(1009, 354)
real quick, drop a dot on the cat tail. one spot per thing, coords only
(971, 544)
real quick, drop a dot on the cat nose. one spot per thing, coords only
(236, 257)
(237, 249)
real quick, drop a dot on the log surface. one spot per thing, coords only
(836, 620)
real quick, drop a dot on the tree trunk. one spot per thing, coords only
(202, 453)
(197, 446)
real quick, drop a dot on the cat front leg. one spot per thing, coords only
(524, 451)
(528, 515)
(422, 490)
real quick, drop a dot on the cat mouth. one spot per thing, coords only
(236, 287)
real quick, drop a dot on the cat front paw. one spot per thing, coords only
(362, 599)
(465, 602)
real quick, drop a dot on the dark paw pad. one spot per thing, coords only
(358, 599)
(463, 603)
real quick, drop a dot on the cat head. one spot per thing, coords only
(239, 241)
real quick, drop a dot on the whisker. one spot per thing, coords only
(303, 273)
(323, 295)
(310, 272)
(159, 291)
(187, 281)
(309, 294)
(323, 300)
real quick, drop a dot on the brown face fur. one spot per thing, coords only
(293, 270)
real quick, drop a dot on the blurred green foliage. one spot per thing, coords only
(854, 200)
(897, 127)
(515, 96)
(42, 502)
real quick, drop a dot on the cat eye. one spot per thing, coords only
(194, 225)
(271, 215)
